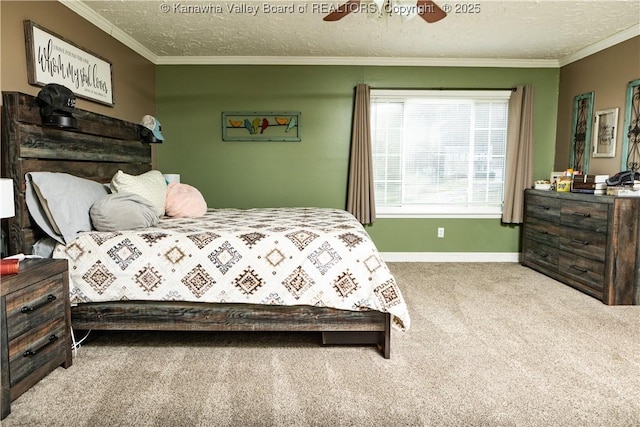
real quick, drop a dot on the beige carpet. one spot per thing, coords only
(490, 345)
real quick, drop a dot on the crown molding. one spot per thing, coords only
(601, 45)
(371, 61)
(90, 15)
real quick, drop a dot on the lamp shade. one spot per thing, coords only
(7, 208)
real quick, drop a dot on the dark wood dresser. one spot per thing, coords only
(35, 327)
(588, 242)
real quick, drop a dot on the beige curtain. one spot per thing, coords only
(360, 195)
(519, 167)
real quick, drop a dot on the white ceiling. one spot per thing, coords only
(544, 33)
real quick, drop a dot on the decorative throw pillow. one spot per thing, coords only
(184, 201)
(59, 203)
(123, 211)
(150, 185)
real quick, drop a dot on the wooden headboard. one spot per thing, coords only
(96, 150)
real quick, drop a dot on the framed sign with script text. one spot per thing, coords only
(52, 59)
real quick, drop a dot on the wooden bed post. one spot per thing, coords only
(385, 345)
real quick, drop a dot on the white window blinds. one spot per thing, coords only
(439, 152)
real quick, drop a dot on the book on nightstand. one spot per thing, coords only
(9, 266)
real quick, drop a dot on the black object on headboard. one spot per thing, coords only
(96, 150)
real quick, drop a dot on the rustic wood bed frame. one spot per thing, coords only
(97, 149)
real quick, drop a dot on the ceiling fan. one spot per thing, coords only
(426, 9)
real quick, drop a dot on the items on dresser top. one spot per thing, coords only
(563, 185)
(589, 184)
(35, 326)
(624, 178)
(585, 241)
(633, 191)
(542, 184)
(625, 183)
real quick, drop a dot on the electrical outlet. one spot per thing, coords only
(440, 232)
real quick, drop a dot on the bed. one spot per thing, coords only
(277, 269)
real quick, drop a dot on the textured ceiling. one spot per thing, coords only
(509, 30)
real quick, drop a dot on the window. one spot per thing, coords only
(439, 153)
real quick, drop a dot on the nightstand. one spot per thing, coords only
(35, 326)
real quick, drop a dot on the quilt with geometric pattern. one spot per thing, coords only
(281, 256)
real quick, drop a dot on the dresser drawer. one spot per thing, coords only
(542, 231)
(583, 243)
(36, 348)
(34, 305)
(543, 255)
(582, 270)
(584, 215)
(544, 208)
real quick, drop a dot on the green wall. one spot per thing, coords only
(313, 172)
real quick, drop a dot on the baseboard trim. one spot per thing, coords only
(451, 256)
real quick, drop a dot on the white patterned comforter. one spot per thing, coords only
(283, 256)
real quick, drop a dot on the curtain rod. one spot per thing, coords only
(512, 89)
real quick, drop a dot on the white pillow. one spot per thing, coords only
(59, 203)
(150, 185)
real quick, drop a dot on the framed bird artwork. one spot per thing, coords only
(261, 126)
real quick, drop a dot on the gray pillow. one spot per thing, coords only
(59, 203)
(123, 211)
(44, 247)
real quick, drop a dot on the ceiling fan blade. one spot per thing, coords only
(430, 11)
(342, 11)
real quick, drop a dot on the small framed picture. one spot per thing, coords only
(604, 136)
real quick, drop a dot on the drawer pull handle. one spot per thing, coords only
(580, 269)
(29, 352)
(544, 208)
(27, 309)
(583, 214)
(580, 242)
(543, 254)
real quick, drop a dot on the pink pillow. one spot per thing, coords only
(184, 201)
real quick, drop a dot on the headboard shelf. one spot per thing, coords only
(27, 110)
(96, 150)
